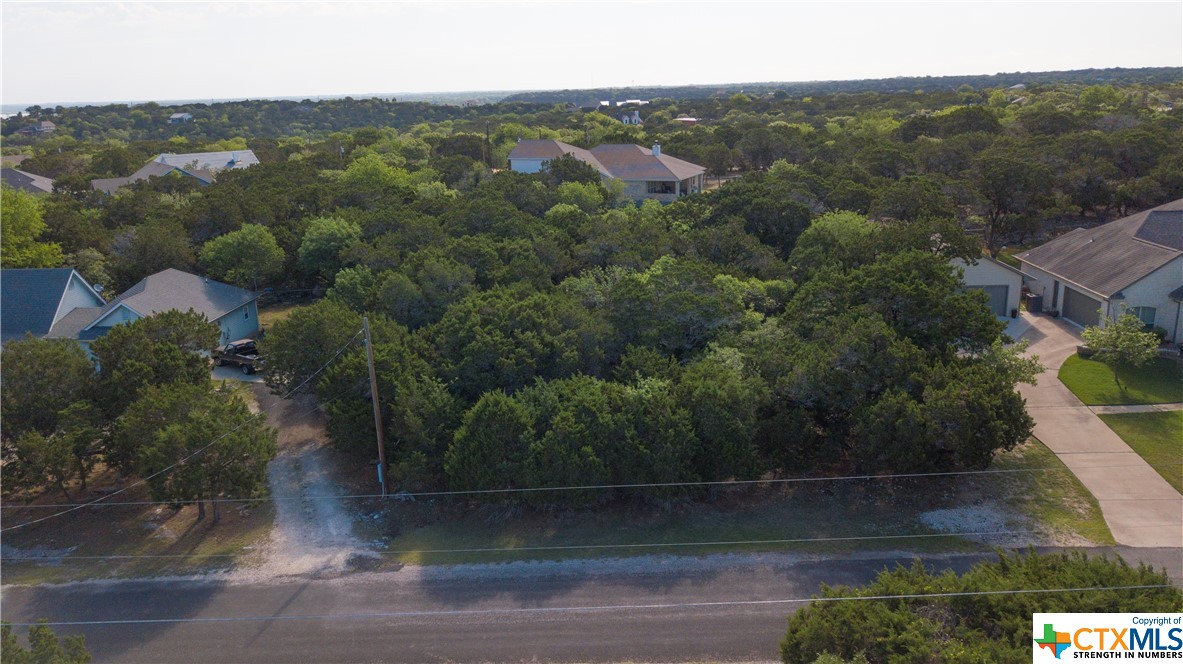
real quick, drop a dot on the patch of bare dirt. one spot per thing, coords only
(313, 529)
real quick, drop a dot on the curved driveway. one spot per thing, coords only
(1137, 503)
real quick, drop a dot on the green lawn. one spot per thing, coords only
(1048, 499)
(1156, 437)
(1159, 381)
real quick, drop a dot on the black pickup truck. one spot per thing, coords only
(243, 354)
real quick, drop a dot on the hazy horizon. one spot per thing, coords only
(137, 52)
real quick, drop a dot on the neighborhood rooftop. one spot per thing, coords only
(30, 299)
(200, 165)
(1109, 258)
(174, 289)
(30, 182)
(622, 161)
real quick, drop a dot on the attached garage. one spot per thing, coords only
(1080, 308)
(1000, 282)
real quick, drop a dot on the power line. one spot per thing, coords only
(577, 547)
(578, 609)
(195, 452)
(406, 495)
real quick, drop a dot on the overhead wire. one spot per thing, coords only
(577, 547)
(408, 495)
(386, 615)
(193, 454)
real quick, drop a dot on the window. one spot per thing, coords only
(661, 187)
(1144, 314)
(246, 312)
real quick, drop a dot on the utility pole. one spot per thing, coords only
(365, 323)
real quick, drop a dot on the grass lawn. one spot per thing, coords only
(1054, 499)
(1158, 381)
(1048, 499)
(1157, 438)
(269, 314)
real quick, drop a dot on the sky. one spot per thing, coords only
(127, 51)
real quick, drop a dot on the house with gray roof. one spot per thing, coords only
(59, 304)
(29, 182)
(202, 166)
(646, 173)
(36, 301)
(233, 309)
(1134, 264)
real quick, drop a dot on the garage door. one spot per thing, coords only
(997, 295)
(1080, 308)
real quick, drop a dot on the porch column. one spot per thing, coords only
(678, 188)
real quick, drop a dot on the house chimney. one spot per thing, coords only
(657, 149)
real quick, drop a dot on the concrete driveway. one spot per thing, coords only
(1139, 506)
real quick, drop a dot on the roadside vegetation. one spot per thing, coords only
(1093, 382)
(967, 627)
(1157, 438)
(539, 330)
(1035, 499)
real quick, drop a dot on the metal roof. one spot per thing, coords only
(176, 290)
(209, 161)
(1113, 256)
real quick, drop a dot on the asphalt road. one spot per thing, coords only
(650, 609)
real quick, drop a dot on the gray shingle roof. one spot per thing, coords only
(148, 170)
(633, 162)
(30, 182)
(29, 300)
(70, 326)
(550, 148)
(622, 161)
(1111, 257)
(174, 289)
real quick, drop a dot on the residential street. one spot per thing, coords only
(506, 612)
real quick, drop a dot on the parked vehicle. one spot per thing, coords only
(243, 354)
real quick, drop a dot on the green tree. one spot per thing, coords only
(1012, 187)
(1123, 344)
(980, 622)
(490, 446)
(586, 197)
(91, 264)
(41, 378)
(326, 237)
(248, 257)
(355, 287)
(150, 248)
(299, 345)
(22, 226)
(196, 443)
(168, 347)
(44, 647)
(725, 404)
